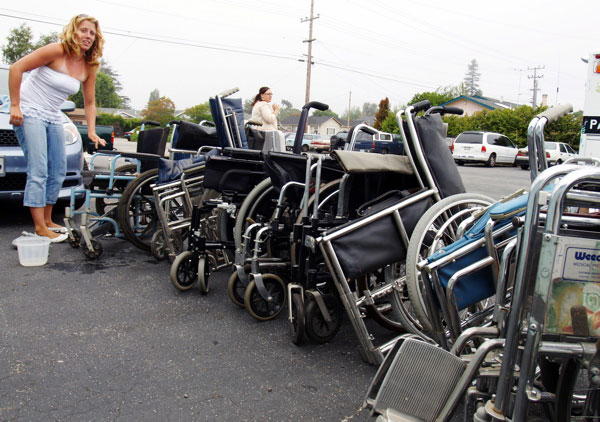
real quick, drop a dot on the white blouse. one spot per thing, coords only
(263, 112)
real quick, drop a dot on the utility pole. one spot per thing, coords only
(535, 78)
(309, 41)
(349, 102)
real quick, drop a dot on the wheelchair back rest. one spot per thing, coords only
(437, 155)
(192, 136)
(283, 168)
(232, 174)
(229, 119)
(152, 141)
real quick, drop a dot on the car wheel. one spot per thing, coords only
(384, 151)
(524, 166)
(558, 162)
(460, 163)
(491, 162)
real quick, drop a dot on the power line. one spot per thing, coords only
(188, 43)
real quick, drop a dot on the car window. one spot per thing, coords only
(563, 148)
(550, 146)
(469, 138)
(508, 143)
(571, 150)
(495, 140)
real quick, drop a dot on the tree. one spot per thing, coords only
(287, 109)
(20, 43)
(161, 110)
(106, 95)
(390, 124)
(369, 109)
(325, 113)
(472, 78)
(107, 69)
(199, 112)
(435, 98)
(154, 95)
(382, 113)
(355, 113)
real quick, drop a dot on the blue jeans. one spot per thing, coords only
(43, 146)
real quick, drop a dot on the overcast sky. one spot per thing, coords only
(192, 50)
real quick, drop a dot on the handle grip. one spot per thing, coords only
(228, 92)
(317, 105)
(453, 110)
(555, 113)
(421, 106)
(151, 123)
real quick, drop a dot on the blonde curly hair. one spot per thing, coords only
(71, 46)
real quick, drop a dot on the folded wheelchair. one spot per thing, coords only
(105, 190)
(531, 344)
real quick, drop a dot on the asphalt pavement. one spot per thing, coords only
(112, 339)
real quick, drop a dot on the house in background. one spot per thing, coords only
(472, 104)
(325, 126)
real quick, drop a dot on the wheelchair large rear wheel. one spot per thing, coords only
(137, 211)
(261, 309)
(184, 271)
(258, 205)
(431, 234)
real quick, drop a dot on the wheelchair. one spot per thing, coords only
(536, 342)
(228, 177)
(107, 189)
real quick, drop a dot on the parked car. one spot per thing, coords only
(306, 139)
(484, 147)
(105, 132)
(13, 171)
(450, 142)
(338, 140)
(380, 143)
(127, 135)
(320, 144)
(556, 153)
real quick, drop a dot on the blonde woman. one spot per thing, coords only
(57, 71)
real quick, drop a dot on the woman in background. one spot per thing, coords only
(263, 111)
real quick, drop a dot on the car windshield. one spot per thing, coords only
(550, 145)
(469, 138)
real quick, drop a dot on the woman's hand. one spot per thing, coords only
(16, 116)
(96, 140)
(275, 108)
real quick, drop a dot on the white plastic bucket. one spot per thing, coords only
(33, 251)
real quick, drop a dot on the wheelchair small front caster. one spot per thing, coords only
(260, 308)
(74, 238)
(93, 253)
(204, 265)
(296, 324)
(184, 271)
(317, 328)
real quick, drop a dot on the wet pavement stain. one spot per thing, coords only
(84, 267)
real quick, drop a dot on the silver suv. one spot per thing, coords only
(484, 147)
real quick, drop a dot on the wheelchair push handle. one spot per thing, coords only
(228, 92)
(150, 123)
(316, 104)
(444, 110)
(420, 106)
(555, 113)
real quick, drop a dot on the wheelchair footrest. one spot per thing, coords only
(419, 381)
